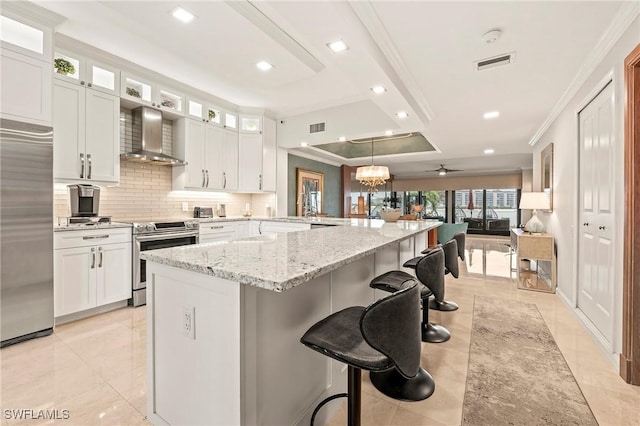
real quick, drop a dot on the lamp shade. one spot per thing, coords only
(534, 201)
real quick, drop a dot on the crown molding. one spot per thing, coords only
(618, 26)
(391, 61)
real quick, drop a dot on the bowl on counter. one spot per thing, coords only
(390, 215)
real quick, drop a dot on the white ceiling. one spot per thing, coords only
(422, 51)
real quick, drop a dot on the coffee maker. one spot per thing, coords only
(84, 200)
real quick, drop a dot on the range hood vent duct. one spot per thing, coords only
(496, 61)
(147, 139)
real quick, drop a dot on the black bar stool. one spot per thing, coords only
(383, 336)
(450, 249)
(430, 271)
(460, 238)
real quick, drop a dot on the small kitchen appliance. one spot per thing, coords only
(222, 210)
(84, 200)
(202, 212)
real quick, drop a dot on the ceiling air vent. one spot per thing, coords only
(316, 128)
(496, 61)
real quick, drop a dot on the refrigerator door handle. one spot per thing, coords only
(89, 161)
(81, 165)
(93, 257)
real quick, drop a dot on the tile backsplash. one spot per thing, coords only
(145, 194)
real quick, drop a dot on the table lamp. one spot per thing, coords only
(534, 201)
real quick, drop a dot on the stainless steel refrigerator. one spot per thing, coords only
(26, 231)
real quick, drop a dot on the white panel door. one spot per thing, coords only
(68, 130)
(74, 280)
(113, 281)
(250, 162)
(269, 153)
(230, 160)
(213, 157)
(102, 128)
(194, 153)
(595, 276)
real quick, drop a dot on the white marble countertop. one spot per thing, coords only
(282, 261)
(288, 219)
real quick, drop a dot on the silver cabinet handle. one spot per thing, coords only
(93, 257)
(260, 187)
(89, 162)
(82, 83)
(260, 228)
(207, 173)
(100, 261)
(203, 178)
(89, 84)
(585, 224)
(602, 227)
(216, 227)
(95, 237)
(224, 180)
(81, 166)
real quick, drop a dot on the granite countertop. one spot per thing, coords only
(282, 261)
(89, 226)
(296, 219)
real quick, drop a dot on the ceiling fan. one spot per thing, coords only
(443, 170)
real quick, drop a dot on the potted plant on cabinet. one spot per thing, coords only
(63, 66)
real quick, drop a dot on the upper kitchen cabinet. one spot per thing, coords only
(140, 91)
(250, 124)
(230, 120)
(211, 154)
(86, 139)
(257, 173)
(25, 77)
(201, 111)
(80, 70)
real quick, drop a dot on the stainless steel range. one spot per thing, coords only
(152, 236)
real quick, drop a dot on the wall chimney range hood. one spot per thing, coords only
(147, 139)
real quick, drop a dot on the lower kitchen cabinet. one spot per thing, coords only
(94, 272)
(217, 231)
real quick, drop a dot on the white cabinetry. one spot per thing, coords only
(257, 155)
(211, 154)
(140, 91)
(217, 231)
(207, 113)
(88, 72)
(86, 134)
(25, 70)
(91, 268)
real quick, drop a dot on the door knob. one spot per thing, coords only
(602, 227)
(585, 224)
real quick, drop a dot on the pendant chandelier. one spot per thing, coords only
(372, 176)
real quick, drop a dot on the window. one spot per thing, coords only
(489, 211)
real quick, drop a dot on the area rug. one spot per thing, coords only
(517, 375)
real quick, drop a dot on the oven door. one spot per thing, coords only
(154, 242)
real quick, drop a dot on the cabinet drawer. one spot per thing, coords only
(84, 238)
(213, 228)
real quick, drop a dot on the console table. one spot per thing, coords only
(536, 248)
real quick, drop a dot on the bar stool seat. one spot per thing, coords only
(430, 272)
(383, 337)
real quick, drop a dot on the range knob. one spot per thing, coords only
(140, 227)
(150, 227)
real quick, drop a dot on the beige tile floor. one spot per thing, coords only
(95, 368)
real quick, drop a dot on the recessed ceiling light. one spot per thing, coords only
(388, 132)
(304, 144)
(492, 114)
(264, 65)
(337, 46)
(489, 151)
(182, 15)
(402, 114)
(342, 139)
(378, 90)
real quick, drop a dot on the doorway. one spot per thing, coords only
(630, 355)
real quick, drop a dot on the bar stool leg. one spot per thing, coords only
(354, 385)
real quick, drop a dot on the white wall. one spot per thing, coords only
(563, 133)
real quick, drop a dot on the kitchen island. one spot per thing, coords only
(225, 319)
